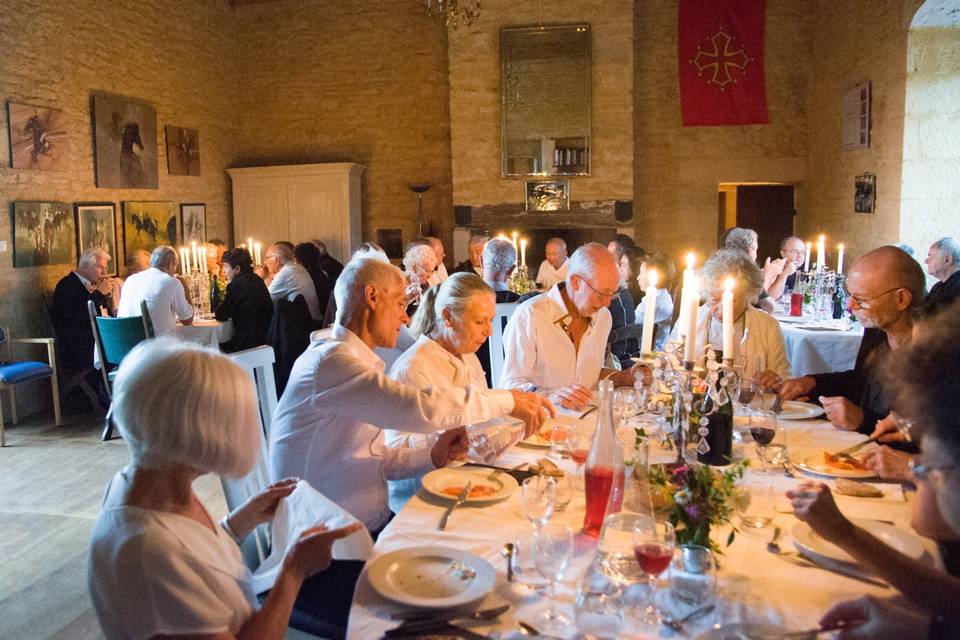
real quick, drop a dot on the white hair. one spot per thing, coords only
(89, 256)
(418, 255)
(499, 255)
(163, 257)
(949, 246)
(583, 262)
(350, 290)
(454, 294)
(370, 250)
(180, 403)
(732, 263)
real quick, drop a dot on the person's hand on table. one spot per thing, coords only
(770, 380)
(798, 388)
(260, 508)
(628, 377)
(872, 618)
(451, 446)
(888, 463)
(887, 430)
(572, 396)
(842, 413)
(813, 503)
(533, 409)
(313, 550)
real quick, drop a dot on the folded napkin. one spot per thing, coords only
(305, 508)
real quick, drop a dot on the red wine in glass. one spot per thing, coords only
(762, 435)
(654, 558)
(579, 456)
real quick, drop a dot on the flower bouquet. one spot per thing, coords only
(694, 497)
(520, 282)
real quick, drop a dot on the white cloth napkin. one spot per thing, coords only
(305, 508)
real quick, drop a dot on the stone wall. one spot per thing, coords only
(350, 82)
(176, 56)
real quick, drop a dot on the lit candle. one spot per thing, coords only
(256, 253)
(203, 261)
(250, 244)
(693, 308)
(840, 259)
(195, 256)
(688, 275)
(516, 247)
(184, 261)
(523, 253)
(649, 312)
(806, 259)
(726, 310)
(821, 249)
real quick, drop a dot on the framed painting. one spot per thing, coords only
(42, 234)
(124, 143)
(97, 229)
(865, 193)
(38, 138)
(146, 225)
(193, 221)
(552, 195)
(183, 151)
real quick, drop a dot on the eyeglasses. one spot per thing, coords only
(864, 301)
(600, 293)
(935, 474)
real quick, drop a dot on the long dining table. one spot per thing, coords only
(753, 585)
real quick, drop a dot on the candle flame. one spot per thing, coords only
(840, 246)
(691, 259)
(822, 237)
(728, 284)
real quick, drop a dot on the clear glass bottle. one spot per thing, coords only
(603, 478)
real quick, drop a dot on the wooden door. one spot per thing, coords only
(769, 210)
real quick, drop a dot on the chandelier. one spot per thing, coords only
(452, 14)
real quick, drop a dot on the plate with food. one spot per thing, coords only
(810, 543)
(553, 428)
(826, 464)
(487, 486)
(431, 577)
(796, 410)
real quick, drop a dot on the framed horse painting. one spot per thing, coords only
(124, 143)
(97, 229)
(38, 138)
(193, 222)
(42, 234)
(147, 225)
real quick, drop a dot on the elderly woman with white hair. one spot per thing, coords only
(159, 566)
(419, 263)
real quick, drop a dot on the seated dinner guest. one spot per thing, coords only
(247, 303)
(748, 242)
(164, 294)
(440, 271)
(792, 252)
(554, 268)
(328, 425)
(71, 320)
(473, 262)
(159, 566)
(943, 263)
(663, 312)
(215, 250)
(419, 265)
(884, 288)
(499, 260)
(308, 256)
(289, 279)
(555, 343)
(330, 265)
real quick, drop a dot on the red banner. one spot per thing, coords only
(720, 56)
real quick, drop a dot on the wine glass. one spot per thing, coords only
(580, 440)
(769, 437)
(538, 497)
(756, 504)
(598, 611)
(653, 547)
(552, 552)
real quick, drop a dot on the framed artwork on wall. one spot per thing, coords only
(38, 138)
(865, 193)
(183, 151)
(97, 229)
(552, 195)
(391, 240)
(147, 225)
(124, 143)
(42, 234)
(193, 221)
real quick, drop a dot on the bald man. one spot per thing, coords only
(884, 286)
(554, 268)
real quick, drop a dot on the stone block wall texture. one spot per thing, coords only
(474, 62)
(178, 56)
(361, 82)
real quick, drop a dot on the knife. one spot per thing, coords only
(414, 626)
(445, 629)
(459, 501)
(860, 445)
(849, 573)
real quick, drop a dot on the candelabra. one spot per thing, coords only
(198, 288)
(819, 286)
(520, 282)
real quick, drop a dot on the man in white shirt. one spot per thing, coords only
(554, 268)
(440, 273)
(555, 343)
(290, 279)
(165, 296)
(327, 428)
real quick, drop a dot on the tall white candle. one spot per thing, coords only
(516, 246)
(726, 310)
(194, 255)
(806, 259)
(256, 253)
(649, 312)
(203, 260)
(688, 276)
(184, 260)
(840, 259)
(693, 308)
(821, 249)
(250, 244)
(523, 252)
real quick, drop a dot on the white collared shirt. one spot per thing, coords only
(87, 283)
(548, 276)
(539, 353)
(328, 425)
(164, 295)
(293, 280)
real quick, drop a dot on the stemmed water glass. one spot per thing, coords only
(653, 544)
(538, 498)
(580, 440)
(552, 552)
(769, 437)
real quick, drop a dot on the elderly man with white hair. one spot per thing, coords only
(440, 270)
(165, 296)
(290, 279)
(473, 263)
(554, 268)
(328, 426)
(556, 343)
(943, 263)
(499, 260)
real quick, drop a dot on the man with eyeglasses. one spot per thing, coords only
(792, 251)
(943, 263)
(555, 343)
(884, 287)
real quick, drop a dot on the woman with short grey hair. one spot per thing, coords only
(158, 564)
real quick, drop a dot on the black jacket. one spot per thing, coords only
(71, 322)
(248, 304)
(624, 333)
(331, 266)
(464, 267)
(942, 294)
(289, 335)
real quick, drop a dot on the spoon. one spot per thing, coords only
(508, 554)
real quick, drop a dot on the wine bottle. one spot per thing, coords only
(838, 302)
(603, 476)
(717, 448)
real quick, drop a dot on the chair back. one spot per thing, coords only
(4, 346)
(504, 311)
(289, 335)
(116, 337)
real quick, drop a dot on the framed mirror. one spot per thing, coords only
(545, 100)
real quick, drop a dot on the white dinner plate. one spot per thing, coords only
(814, 464)
(431, 577)
(795, 410)
(809, 543)
(448, 482)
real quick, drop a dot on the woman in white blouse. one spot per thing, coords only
(159, 566)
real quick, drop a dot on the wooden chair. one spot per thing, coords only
(504, 311)
(115, 338)
(67, 380)
(17, 372)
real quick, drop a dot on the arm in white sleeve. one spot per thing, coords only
(281, 284)
(404, 462)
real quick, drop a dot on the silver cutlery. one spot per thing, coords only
(498, 470)
(772, 546)
(587, 412)
(677, 625)
(846, 453)
(801, 560)
(788, 469)
(442, 525)
(508, 551)
(425, 624)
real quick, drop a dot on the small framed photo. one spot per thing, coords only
(193, 221)
(551, 195)
(97, 229)
(865, 193)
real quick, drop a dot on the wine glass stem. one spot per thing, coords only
(762, 452)
(551, 603)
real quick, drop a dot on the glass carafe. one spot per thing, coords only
(603, 477)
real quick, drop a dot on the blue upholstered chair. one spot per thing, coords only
(14, 372)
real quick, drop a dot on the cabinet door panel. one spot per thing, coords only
(260, 212)
(319, 209)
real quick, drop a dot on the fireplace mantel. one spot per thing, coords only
(584, 214)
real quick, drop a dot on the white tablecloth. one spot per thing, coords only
(209, 333)
(819, 348)
(753, 585)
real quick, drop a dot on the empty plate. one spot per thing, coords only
(432, 577)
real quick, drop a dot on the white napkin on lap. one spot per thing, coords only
(301, 510)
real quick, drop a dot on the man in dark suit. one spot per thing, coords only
(473, 264)
(943, 263)
(330, 265)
